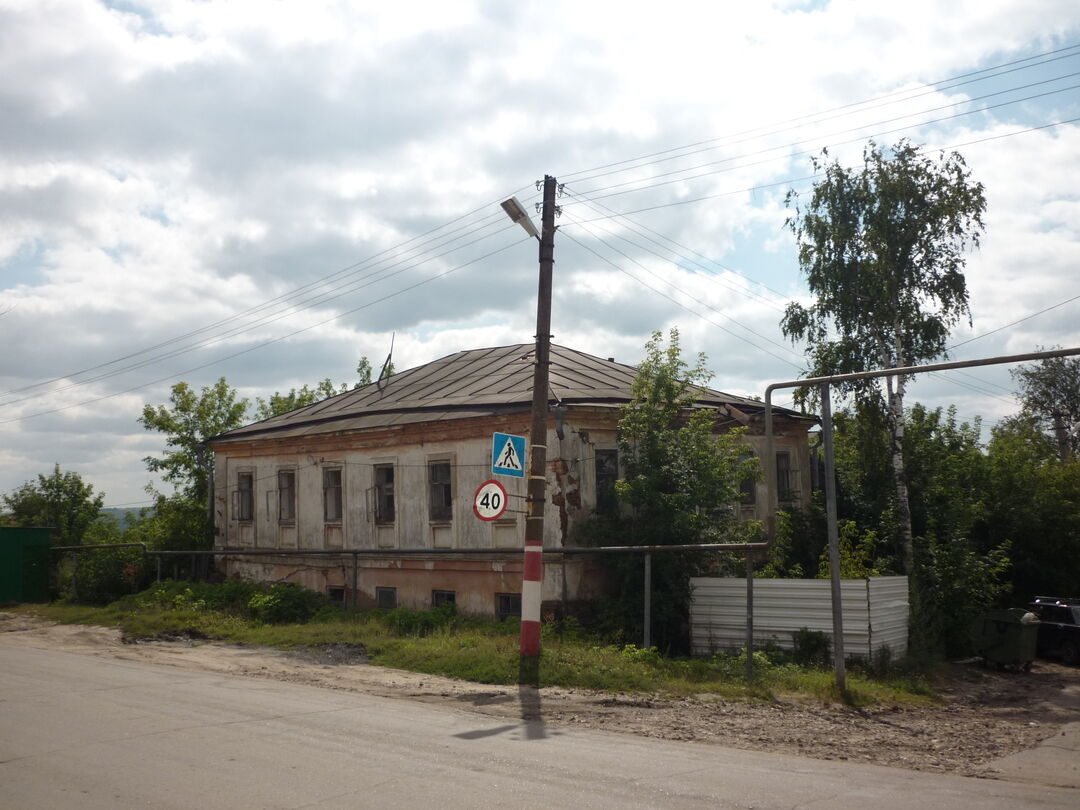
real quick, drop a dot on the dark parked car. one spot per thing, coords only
(1059, 628)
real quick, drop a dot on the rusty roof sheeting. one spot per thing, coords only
(477, 382)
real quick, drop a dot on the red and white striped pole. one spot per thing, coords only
(532, 575)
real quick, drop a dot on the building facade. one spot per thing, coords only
(394, 466)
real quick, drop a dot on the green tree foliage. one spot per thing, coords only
(1050, 392)
(1034, 502)
(682, 476)
(61, 501)
(188, 421)
(279, 403)
(883, 249)
(963, 554)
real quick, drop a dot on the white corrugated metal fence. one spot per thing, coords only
(875, 613)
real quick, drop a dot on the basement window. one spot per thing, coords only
(508, 605)
(440, 598)
(336, 595)
(386, 598)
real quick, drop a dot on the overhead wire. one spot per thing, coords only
(675, 287)
(1057, 54)
(663, 294)
(788, 146)
(298, 291)
(278, 339)
(381, 274)
(593, 193)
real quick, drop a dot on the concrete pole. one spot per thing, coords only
(532, 575)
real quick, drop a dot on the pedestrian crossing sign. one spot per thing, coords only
(508, 455)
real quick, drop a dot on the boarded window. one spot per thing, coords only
(508, 605)
(286, 482)
(386, 598)
(384, 493)
(332, 496)
(440, 598)
(245, 496)
(441, 506)
(607, 473)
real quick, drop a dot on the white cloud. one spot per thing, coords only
(169, 164)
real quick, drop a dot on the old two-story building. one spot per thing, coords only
(394, 465)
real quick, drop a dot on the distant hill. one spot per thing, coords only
(121, 515)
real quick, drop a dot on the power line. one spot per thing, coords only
(1059, 53)
(267, 342)
(668, 297)
(639, 228)
(684, 292)
(271, 318)
(344, 272)
(791, 181)
(650, 185)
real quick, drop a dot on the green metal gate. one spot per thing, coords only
(24, 564)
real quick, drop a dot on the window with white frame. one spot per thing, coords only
(286, 481)
(333, 505)
(440, 491)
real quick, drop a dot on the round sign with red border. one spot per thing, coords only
(490, 501)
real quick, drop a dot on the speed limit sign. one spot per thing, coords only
(490, 500)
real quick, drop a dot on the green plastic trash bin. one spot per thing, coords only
(1007, 637)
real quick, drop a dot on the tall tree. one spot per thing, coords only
(188, 421)
(1050, 392)
(682, 476)
(62, 501)
(883, 249)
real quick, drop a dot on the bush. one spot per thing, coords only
(105, 575)
(811, 648)
(285, 603)
(406, 622)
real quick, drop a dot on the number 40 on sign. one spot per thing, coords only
(490, 500)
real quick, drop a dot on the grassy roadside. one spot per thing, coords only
(439, 642)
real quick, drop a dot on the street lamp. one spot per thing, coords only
(532, 571)
(516, 211)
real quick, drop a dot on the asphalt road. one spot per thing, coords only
(83, 732)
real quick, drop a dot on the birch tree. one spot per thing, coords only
(883, 249)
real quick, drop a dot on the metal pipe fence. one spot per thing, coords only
(357, 553)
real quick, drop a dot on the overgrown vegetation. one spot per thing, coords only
(442, 642)
(681, 476)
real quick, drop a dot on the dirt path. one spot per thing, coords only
(985, 715)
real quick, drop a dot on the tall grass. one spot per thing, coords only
(441, 642)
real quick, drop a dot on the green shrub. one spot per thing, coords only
(105, 575)
(406, 622)
(811, 647)
(284, 603)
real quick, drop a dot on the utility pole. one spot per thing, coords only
(532, 574)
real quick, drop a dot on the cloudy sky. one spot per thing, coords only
(267, 191)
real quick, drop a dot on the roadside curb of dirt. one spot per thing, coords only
(1055, 762)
